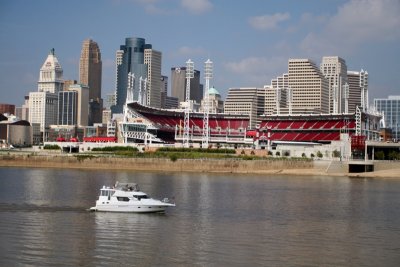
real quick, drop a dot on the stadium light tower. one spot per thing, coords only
(189, 75)
(346, 98)
(208, 74)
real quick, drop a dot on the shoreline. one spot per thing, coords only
(260, 167)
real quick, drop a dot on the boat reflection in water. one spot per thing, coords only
(127, 197)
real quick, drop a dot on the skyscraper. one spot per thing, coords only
(129, 59)
(90, 67)
(358, 90)
(309, 87)
(335, 70)
(152, 59)
(43, 104)
(178, 85)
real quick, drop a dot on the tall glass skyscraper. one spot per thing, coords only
(129, 59)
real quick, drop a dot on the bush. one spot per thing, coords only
(286, 153)
(319, 154)
(51, 147)
(198, 150)
(312, 155)
(278, 154)
(303, 155)
(269, 153)
(115, 148)
(379, 155)
(173, 157)
(393, 155)
(336, 154)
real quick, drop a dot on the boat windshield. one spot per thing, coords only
(105, 192)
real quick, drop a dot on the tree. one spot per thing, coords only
(319, 154)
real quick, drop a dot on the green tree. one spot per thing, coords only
(319, 154)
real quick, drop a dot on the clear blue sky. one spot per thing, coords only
(249, 42)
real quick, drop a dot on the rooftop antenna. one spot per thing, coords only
(208, 74)
(189, 75)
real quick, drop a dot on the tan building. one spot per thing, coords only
(90, 68)
(153, 60)
(243, 101)
(309, 87)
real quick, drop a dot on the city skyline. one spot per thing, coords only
(250, 44)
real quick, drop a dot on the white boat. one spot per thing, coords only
(127, 197)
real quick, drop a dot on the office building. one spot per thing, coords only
(67, 107)
(178, 85)
(90, 68)
(129, 60)
(164, 90)
(43, 104)
(243, 101)
(82, 108)
(152, 59)
(171, 102)
(390, 107)
(358, 90)
(335, 71)
(309, 87)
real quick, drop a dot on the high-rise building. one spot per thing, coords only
(178, 85)
(164, 90)
(43, 105)
(7, 108)
(309, 87)
(129, 59)
(358, 90)
(243, 101)
(390, 107)
(90, 67)
(335, 70)
(51, 75)
(215, 104)
(73, 106)
(67, 107)
(152, 59)
(82, 110)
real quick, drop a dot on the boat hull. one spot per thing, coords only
(130, 208)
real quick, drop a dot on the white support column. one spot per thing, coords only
(189, 75)
(208, 74)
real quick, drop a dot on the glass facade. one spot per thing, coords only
(391, 109)
(132, 61)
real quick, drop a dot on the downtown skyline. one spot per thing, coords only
(250, 44)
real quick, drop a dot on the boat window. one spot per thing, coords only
(140, 197)
(123, 198)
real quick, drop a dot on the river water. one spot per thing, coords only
(219, 220)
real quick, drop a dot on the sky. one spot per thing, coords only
(249, 42)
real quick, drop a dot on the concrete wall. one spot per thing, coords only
(155, 164)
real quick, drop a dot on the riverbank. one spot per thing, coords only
(229, 165)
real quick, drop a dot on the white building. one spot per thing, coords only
(43, 104)
(335, 70)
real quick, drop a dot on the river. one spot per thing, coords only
(219, 220)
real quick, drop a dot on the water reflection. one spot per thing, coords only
(219, 220)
